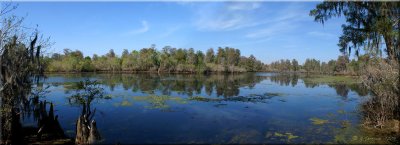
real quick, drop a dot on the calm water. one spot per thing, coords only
(243, 108)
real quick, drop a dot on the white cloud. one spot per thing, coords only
(242, 5)
(283, 22)
(271, 30)
(229, 16)
(260, 19)
(143, 29)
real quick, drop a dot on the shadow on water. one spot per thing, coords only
(47, 129)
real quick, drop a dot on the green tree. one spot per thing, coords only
(312, 65)
(341, 64)
(125, 53)
(191, 57)
(295, 65)
(112, 61)
(220, 56)
(367, 24)
(210, 56)
(251, 63)
(180, 56)
(149, 59)
(200, 61)
(111, 53)
(87, 65)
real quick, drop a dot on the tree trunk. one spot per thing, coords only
(86, 133)
(11, 128)
(389, 47)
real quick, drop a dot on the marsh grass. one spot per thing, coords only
(344, 132)
(325, 79)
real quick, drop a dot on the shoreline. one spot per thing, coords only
(205, 73)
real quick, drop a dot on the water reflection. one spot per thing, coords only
(185, 84)
(27, 105)
(285, 79)
(237, 113)
(192, 84)
(342, 89)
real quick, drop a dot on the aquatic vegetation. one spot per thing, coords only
(250, 136)
(318, 121)
(254, 98)
(388, 133)
(124, 103)
(273, 94)
(159, 102)
(215, 111)
(278, 134)
(288, 136)
(344, 132)
(345, 124)
(220, 105)
(353, 135)
(329, 79)
(203, 99)
(108, 97)
(341, 111)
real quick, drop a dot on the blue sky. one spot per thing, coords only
(268, 30)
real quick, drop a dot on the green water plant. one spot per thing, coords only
(124, 103)
(254, 98)
(288, 136)
(159, 101)
(318, 121)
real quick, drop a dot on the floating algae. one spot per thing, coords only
(289, 136)
(254, 98)
(317, 121)
(159, 102)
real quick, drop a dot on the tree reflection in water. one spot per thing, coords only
(342, 88)
(185, 84)
(47, 128)
(225, 87)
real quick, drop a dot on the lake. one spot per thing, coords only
(237, 108)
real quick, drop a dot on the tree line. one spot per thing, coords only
(172, 60)
(168, 59)
(342, 65)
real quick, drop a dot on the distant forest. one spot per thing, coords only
(179, 60)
